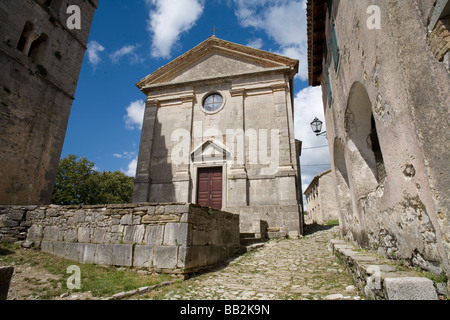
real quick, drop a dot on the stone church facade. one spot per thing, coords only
(40, 61)
(218, 131)
(383, 69)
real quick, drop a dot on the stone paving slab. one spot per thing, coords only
(299, 269)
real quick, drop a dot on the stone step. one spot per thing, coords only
(250, 241)
(378, 278)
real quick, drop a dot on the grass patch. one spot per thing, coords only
(100, 281)
(332, 223)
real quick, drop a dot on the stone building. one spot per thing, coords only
(386, 92)
(320, 199)
(218, 131)
(40, 61)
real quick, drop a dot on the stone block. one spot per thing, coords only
(166, 257)
(410, 288)
(71, 235)
(143, 256)
(127, 219)
(122, 255)
(98, 235)
(16, 215)
(5, 279)
(10, 223)
(73, 251)
(103, 254)
(84, 235)
(60, 249)
(78, 216)
(200, 236)
(180, 208)
(51, 233)
(176, 234)
(47, 246)
(133, 234)
(35, 233)
(162, 218)
(154, 235)
(87, 252)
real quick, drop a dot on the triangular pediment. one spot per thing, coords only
(215, 58)
(210, 151)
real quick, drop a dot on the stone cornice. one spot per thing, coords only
(271, 60)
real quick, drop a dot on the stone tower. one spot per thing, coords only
(218, 131)
(40, 61)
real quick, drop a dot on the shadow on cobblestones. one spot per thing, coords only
(313, 228)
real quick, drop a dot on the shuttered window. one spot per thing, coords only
(335, 47)
(329, 92)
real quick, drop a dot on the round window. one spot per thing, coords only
(213, 102)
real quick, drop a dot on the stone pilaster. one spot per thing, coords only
(237, 174)
(141, 192)
(282, 121)
(182, 177)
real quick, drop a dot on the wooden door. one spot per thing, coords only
(209, 187)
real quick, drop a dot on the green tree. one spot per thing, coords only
(71, 186)
(110, 187)
(78, 183)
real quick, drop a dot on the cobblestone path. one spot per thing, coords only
(281, 270)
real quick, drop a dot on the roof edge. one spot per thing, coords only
(211, 42)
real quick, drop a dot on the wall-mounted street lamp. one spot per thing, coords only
(316, 126)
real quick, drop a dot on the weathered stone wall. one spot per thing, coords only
(321, 201)
(398, 196)
(37, 87)
(172, 238)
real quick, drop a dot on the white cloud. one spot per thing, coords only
(256, 43)
(128, 50)
(308, 105)
(93, 51)
(135, 115)
(168, 19)
(126, 155)
(132, 166)
(284, 21)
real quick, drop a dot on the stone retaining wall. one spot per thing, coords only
(379, 279)
(171, 238)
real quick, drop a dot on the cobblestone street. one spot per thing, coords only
(281, 270)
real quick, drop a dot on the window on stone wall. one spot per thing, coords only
(330, 7)
(38, 47)
(364, 154)
(335, 47)
(55, 5)
(377, 151)
(329, 91)
(23, 37)
(31, 43)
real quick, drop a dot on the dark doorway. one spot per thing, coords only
(209, 187)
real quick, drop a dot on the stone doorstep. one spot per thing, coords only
(392, 284)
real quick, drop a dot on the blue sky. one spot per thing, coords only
(131, 39)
